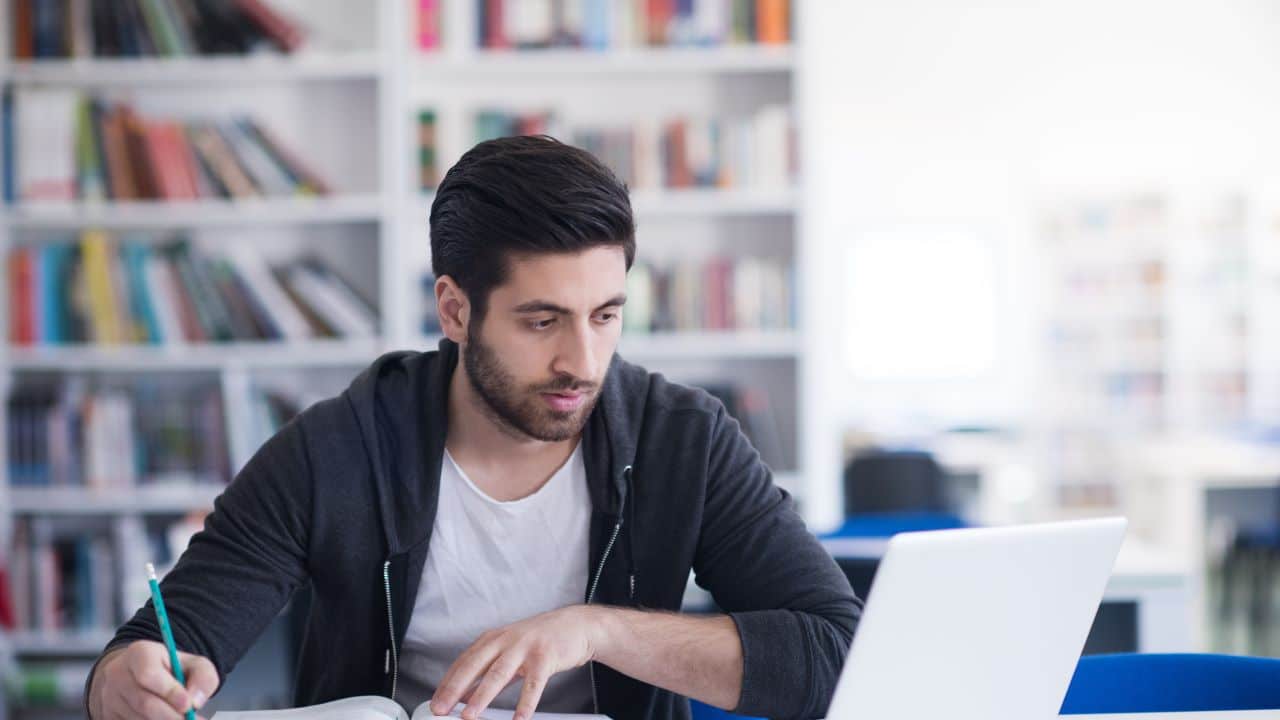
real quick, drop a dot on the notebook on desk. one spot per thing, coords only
(376, 707)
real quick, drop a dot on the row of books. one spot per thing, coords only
(69, 434)
(71, 576)
(722, 294)
(605, 24)
(62, 581)
(104, 291)
(45, 29)
(71, 146)
(754, 151)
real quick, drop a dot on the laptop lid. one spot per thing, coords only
(977, 624)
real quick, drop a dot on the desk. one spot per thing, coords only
(1154, 581)
(1166, 498)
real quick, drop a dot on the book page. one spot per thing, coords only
(364, 707)
(423, 712)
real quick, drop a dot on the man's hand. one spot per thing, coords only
(532, 649)
(137, 682)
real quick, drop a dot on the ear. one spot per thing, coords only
(453, 308)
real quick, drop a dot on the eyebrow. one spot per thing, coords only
(537, 306)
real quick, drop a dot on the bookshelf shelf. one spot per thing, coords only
(180, 71)
(81, 643)
(721, 60)
(86, 501)
(725, 345)
(713, 202)
(316, 353)
(201, 213)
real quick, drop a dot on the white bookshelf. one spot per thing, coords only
(607, 89)
(215, 356)
(354, 101)
(627, 61)
(349, 208)
(237, 71)
(39, 644)
(169, 498)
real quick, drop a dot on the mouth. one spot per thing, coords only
(564, 401)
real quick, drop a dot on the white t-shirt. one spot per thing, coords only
(494, 563)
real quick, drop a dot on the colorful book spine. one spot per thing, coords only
(428, 25)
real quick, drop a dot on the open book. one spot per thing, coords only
(374, 707)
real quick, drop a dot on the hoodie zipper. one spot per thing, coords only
(391, 661)
(591, 594)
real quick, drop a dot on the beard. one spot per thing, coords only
(521, 410)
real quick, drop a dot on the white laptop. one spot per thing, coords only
(977, 624)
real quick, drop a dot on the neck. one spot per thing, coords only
(500, 459)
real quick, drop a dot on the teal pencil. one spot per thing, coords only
(167, 632)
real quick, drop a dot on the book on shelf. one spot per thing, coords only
(76, 577)
(618, 24)
(64, 577)
(109, 291)
(48, 684)
(69, 434)
(8, 613)
(73, 146)
(428, 157)
(756, 150)
(7, 148)
(720, 294)
(428, 24)
(64, 29)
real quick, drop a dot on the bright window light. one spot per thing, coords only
(920, 304)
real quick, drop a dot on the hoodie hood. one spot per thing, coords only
(401, 407)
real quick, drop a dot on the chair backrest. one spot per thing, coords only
(1140, 683)
(881, 481)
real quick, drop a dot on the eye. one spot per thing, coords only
(607, 317)
(542, 324)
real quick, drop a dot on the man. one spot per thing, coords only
(510, 520)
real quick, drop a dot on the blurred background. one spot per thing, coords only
(949, 265)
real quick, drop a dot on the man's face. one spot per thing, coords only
(539, 356)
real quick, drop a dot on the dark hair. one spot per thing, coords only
(517, 195)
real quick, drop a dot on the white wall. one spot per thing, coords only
(948, 114)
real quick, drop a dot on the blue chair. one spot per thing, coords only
(1140, 683)
(702, 711)
(881, 480)
(888, 524)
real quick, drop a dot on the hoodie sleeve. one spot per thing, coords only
(243, 566)
(793, 607)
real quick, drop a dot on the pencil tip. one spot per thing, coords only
(151, 571)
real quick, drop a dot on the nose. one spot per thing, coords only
(576, 356)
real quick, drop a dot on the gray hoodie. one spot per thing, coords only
(343, 498)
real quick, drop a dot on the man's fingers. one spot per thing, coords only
(158, 681)
(462, 676)
(498, 676)
(534, 683)
(202, 678)
(156, 708)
